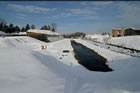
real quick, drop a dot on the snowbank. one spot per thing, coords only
(49, 32)
(21, 42)
(2, 33)
(127, 41)
(8, 34)
(22, 72)
(56, 49)
(20, 33)
(97, 37)
(108, 54)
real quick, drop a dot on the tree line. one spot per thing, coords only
(16, 29)
(75, 35)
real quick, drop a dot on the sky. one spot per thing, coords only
(73, 16)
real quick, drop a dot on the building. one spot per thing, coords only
(125, 32)
(44, 35)
(131, 31)
(118, 32)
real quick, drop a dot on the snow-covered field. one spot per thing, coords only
(127, 41)
(128, 45)
(26, 68)
(3, 33)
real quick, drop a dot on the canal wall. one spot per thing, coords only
(89, 58)
(100, 57)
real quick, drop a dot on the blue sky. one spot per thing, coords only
(73, 16)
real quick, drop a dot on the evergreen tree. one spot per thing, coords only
(2, 23)
(23, 29)
(33, 26)
(44, 27)
(1, 26)
(17, 29)
(5, 28)
(49, 28)
(41, 28)
(8, 28)
(11, 28)
(27, 27)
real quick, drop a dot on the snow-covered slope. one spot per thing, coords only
(20, 33)
(127, 41)
(26, 68)
(2, 33)
(22, 72)
(21, 42)
(108, 54)
(96, 37)
(56, 49)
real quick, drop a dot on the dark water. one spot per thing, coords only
(89, 59)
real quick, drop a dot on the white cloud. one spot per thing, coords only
(96, 3)
(129, 15)
(101, 2)
(83, 3)
(89, 17)
(21, 16)
(66, 14)
(79, 11)
(84, 13)
(30, 9)
(60, 15)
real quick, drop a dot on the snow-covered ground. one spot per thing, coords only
(2, 33)
(56, 49)
(128, 45)
(109, 55)
(126, 41)
(26, 68)
(22, 72)
(97, 37)
(20, 33)
(124, 67)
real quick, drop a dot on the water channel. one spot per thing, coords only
(89, 59)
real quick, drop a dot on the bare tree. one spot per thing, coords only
(53, 27)
(2, 23)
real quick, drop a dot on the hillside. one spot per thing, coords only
(25, 67)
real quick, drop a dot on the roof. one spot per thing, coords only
(48, 32)
(131, 28)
